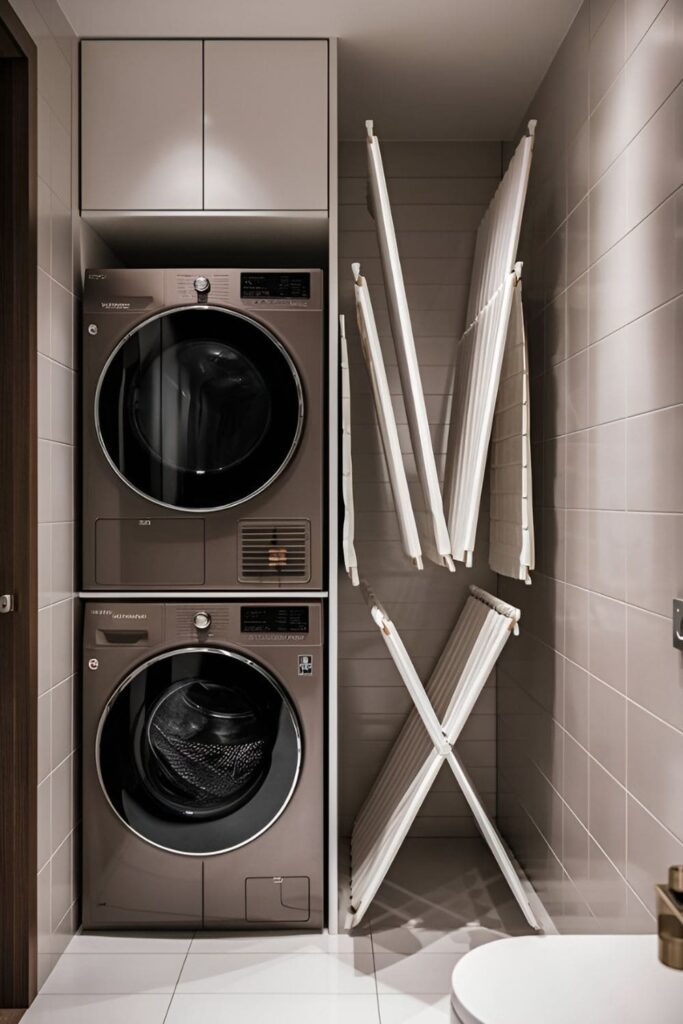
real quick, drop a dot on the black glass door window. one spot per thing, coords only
(199, 408)
(199, 751)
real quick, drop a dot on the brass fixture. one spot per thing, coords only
(670, 919)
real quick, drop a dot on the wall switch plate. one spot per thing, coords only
(678, 623)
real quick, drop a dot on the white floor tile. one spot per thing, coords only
(420, 973)
(82, 1009)
(279, 942)
(131, 942)
(273, 1009)
(425, 1009)
(115, 973)
(275, 973)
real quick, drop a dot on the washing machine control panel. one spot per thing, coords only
(275, 288)
(274, 619)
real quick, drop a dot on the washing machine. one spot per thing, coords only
(203, 429)
(203, 765)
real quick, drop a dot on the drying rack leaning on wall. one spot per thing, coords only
(490, 404)
(427, 740)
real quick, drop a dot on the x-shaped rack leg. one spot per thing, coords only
(443, 747)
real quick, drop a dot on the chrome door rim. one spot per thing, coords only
(111, 700)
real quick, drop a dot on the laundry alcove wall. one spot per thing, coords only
(439, 192)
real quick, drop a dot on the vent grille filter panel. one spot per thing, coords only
(274, 549)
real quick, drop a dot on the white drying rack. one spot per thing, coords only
(480, 351)
(386, 418)
(427, 740)
(349, 527)
(437, 544)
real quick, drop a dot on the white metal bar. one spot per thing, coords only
(511, 526)
(374, 359)
(492, 838)
(438, 540)
(349, 527)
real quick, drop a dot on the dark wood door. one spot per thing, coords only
(18, 513)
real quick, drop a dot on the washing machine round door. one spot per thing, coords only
(199, 408)
(199, 750)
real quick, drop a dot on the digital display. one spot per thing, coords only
(264, 619)
(275, 286)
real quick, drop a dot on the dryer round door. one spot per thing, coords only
(199, 750)
(199, 408)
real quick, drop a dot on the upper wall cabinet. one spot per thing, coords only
(216, 125)
(265, 124)
(141, 124)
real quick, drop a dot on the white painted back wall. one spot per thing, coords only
(439, 192)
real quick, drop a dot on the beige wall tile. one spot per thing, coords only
(610, 127)
(654, 69)
(577, 392)
(575, 782)
(44, 808)
(576, 547)
(576, 471)
(654, 560)
(640, 14)
(577, 316)
(62, 803)
(651, 848)
(607, 466)
(655, 767)
(607, 640)
(653, 356)
(607, 549)
(607, 813)
(607, 728)
(655, 668)
(653, 483)
(44, 228)
(607, 379)
(576, 702)
(607, 51)
(609, 208)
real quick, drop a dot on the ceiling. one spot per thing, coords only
(426, 69)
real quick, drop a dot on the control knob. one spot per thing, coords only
(202, 620)
(201, 285)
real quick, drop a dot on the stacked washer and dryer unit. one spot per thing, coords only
(203, 673)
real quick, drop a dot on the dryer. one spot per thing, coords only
(203, 768)
(203, 429)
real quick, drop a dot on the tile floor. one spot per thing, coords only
(442, 898)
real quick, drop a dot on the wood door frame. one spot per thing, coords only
(18, 513)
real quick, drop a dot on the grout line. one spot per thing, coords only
(175, 987)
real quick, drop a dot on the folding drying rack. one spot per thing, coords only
(427, 740)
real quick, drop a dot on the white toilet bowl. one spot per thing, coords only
(567, 979)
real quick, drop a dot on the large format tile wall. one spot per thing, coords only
(439, 192)
(590, 696)
(57, 288)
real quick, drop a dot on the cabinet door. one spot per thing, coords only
(141, 123)
(265, 124)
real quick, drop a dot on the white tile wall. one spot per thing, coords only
(57, 290)
(439, 192)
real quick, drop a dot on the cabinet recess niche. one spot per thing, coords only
(192, 125)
